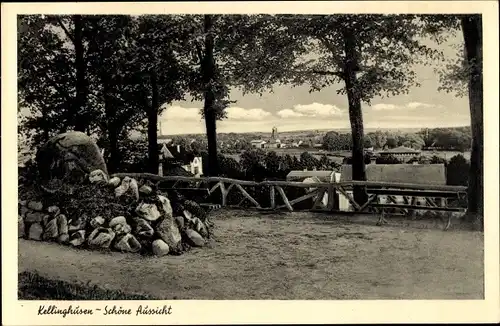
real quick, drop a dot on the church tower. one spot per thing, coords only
(274, 134)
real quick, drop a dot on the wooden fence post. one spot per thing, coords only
(273, 197)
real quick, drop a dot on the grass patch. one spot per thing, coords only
(32, 286)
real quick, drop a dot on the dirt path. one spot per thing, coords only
(289, 256)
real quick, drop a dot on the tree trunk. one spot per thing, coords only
(208, 108)
(153, 159)
(472, 31)
(112, 132)
(81, 120)
(355, 116)
(45, 125)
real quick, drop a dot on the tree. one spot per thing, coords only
(118, 111)
(465, 76)
(379, 139)
(457, 171)
(371, 55)
(391, 142)
(74, 30)
(159, 44)
(272, 163)
(53, 79)
(308, 161)
(241, 51)
(472, 30)
(45, 71)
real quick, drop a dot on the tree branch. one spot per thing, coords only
(66, 31)
(330, 73)
(58, 87)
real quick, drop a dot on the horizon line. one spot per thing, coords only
(320, 129)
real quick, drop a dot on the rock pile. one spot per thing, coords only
(116, 214)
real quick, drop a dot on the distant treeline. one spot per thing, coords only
(448, 139)
(456, 139)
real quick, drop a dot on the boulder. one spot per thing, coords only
(45, 220)
(187, 214)
(200, 227)
(71, 155)
(101, 238)
(98, 176)
(114, 182)
(77, 224)
(23, 210)
(128, 185)
(119, 220)
(20, 226)
(77, 238)
(160, 248)
(35, 232)
(53, 210)
(195, 238)
(180, 221)
(149, 212)
(62, 224)
(126, 229)
(146, 190)
(166, 208)
(22, 202)
(120, 229)
(128, 243)
(63, 238)
(35, 206)
(33, 217)
(51, 231)
(169, 232)
(144, 229)
(97, 221)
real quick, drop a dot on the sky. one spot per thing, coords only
(294, 108)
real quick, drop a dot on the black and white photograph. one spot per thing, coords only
(250, 156)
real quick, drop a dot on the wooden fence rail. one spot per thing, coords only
(430, 197)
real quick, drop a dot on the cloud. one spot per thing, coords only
(237, 113)
(408, 106)
(385, 107)
(313, 110)
(176, 112)
(289, 113)
(318, 110)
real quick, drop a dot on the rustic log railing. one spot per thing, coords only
(277, 197)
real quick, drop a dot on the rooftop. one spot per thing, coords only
(322, 175)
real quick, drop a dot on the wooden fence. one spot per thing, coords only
(404, 198)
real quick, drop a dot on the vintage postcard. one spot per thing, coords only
(250, 162)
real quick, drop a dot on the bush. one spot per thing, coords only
(389, 159)
(457, 171)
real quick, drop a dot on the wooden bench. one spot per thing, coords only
(411, 206)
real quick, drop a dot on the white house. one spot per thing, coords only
(195, 166)
(258, 143)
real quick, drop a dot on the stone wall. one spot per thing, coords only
(118, 214)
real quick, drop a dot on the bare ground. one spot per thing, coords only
(286, 256)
